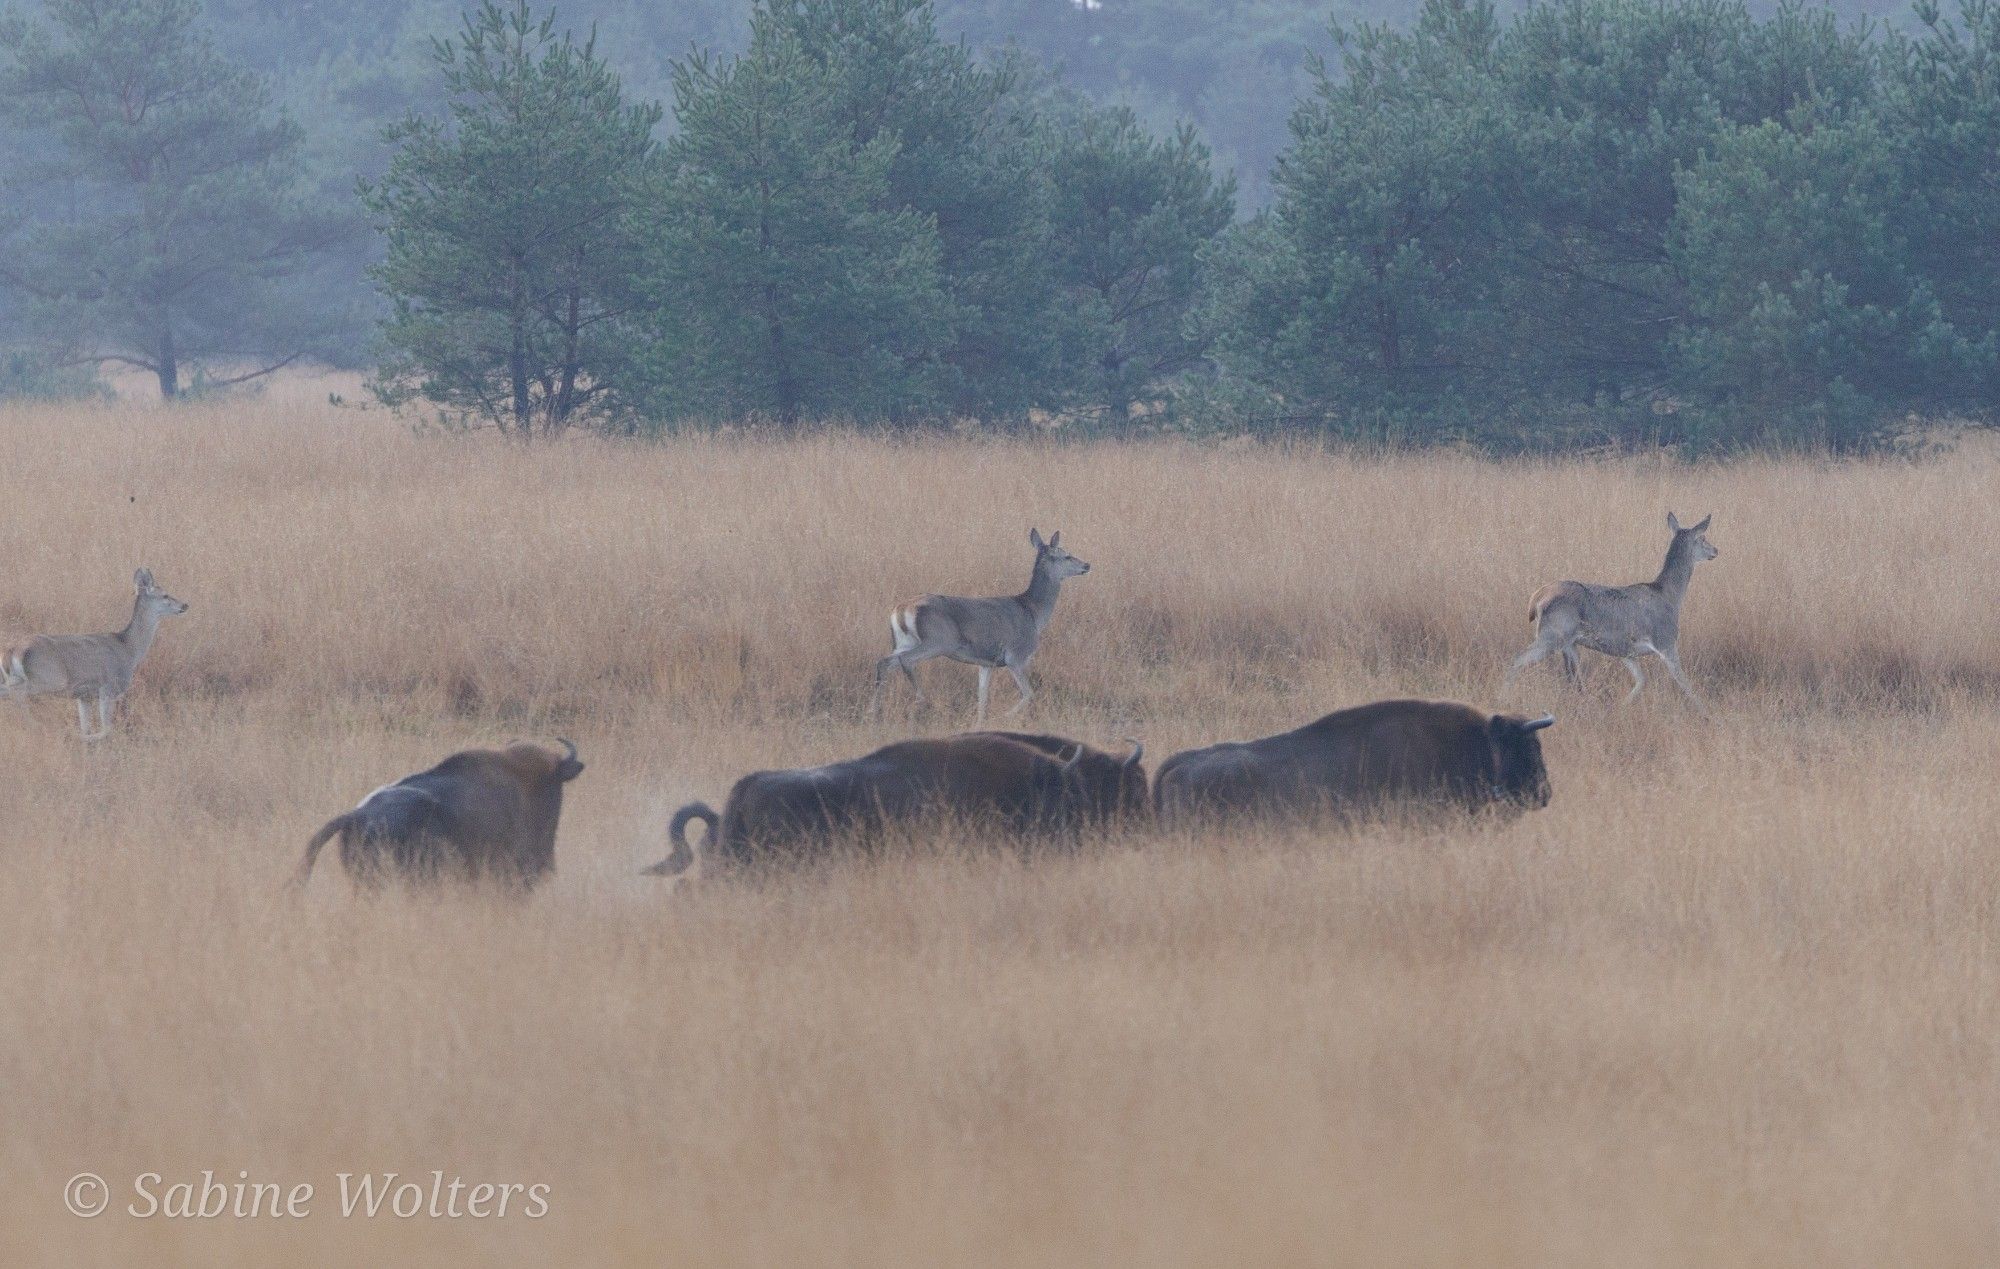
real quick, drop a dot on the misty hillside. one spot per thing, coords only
(1234, 68)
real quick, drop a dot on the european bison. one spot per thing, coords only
(1104, 787)
(484, 814)
(1031, 786)
(1366, 758)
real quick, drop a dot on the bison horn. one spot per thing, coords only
(1069, 764)
(568, 746)
(1138, 752)
(1536, 724)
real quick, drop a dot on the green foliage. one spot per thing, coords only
(1941, 118)
(1672, 218)
(869, 224)
(966, 158)
(24, 376)
(513, 228)
(1796, 270)
(160, 222)
(1369, 284)
(1132, 213)
(790, 285)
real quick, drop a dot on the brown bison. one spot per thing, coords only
(1367, 758)
(484, 814)
(1032, 786)
(1104, 787)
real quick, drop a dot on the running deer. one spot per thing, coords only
(993, 634)
(1626, 622)
(90, 667)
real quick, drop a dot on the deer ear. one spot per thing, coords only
(1704, 523)
(1673, 522)
(1035, 538)
(143, 578)
(1055, 539)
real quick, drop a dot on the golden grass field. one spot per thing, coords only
(1733, 998)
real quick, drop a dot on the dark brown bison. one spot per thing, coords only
(1031, 786)
(1104, 787)
(1367, 758)
(485, 814)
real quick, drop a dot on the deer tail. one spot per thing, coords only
(333, 828)
(1541, 599)
(903, 625)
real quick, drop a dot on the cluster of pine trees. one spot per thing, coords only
(1594, 221)
(1617, 218)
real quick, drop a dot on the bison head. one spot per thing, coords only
(1133, 799)
(1519, 775)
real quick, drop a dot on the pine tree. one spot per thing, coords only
(966, 158)
(1132, 215)
(160, 222)
(517, 228)
(791, 284)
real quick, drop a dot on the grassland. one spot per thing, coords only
(1734, 997)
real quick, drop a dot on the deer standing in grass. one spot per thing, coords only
(993, 634)
(1626, 622)
(90, 667)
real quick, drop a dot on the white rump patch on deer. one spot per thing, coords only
(1001, 632)
(1627, 622)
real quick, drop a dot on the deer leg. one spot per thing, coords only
(985, 682)
(83, 718)
(881, 669)
(1673, 659)
(1571, 670)
(1536, 651)
(1638, 679)
(1020, 681)
(901, 660)
(905, 660)
(104, 707)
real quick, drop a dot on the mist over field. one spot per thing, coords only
(393, 393)
(1727, 999)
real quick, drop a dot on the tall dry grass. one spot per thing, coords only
(1731, 998)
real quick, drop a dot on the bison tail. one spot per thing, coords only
(685, 860)
(334, 827)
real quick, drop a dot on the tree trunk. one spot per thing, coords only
(1117, 399)
(517, 352)
(169, 368)
(565, 400)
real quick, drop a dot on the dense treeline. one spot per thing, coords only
(1617, 217)
(1590, 221)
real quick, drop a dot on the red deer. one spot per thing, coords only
(986, 777)
(91, 668)
(1367, 758)
(1626, 622)
(993, 634)
(484, 814)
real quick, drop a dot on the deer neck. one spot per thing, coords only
(138, 632)
(1676, 571)
(1040, 597)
